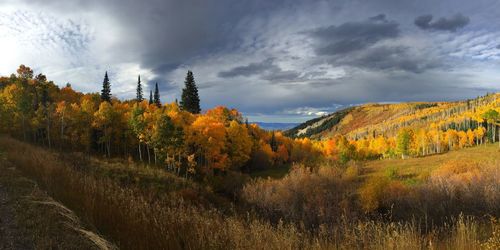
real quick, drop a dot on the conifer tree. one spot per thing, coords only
(106, 89)
(190, 100)
(157, 96)
(150, 97)
(273, 143)
(139, 90)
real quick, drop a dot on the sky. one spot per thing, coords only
(275, 61)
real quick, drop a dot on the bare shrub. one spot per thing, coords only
(305, 196)
(468, 186)
(456, 187)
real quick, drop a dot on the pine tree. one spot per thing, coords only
(190, 100)
(106, 89)
(150, 97)
(139, 90)
(157, 96)
(273, 143)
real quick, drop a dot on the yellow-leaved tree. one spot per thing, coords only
(239, 144)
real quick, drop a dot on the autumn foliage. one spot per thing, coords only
(156, 176)
(163, 135)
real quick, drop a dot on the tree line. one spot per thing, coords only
(177, 136)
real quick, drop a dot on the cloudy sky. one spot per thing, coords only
(281, 61)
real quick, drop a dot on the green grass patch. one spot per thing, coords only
(275, 173)
(391, 172)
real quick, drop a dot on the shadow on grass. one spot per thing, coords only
(275, 173)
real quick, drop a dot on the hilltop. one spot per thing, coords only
(386, 119)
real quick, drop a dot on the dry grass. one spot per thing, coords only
(135, 219)
(39, 222)
(453, 189)
(424, 165)
(304, 196)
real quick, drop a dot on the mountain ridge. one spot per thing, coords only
(386, 118)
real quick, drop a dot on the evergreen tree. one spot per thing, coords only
(106, 89)
(190, 100)
(139, 90)
(273, 143)
(150, 97)
(157, 96)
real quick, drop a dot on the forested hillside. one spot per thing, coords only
(174, 136)
(177, 137)
(408, 128)
(387, 119)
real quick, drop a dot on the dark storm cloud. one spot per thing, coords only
(498, 46)
(452, 23)
(356, 44)
(385, 58)
(265, 70)
(344, 53)
(353, 36)
(163, 35)
(282, 76)
(248, 70)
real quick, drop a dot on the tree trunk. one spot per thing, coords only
(154, 153)
(140, 153)
(24, 127)
(179, 163)
(149, 154)
(494, 128)
(169, 164)
(48, 130)
(109, 148)
(62, 129)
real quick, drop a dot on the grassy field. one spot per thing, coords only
(414, 167)
(407, 168)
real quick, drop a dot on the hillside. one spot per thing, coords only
(386, 119)
(276, 125)
(31, 219)
(414, 168)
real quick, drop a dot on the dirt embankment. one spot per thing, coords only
(30, 219)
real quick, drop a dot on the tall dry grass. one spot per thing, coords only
(134, 220)
(450, 209)
(305, 196)
(456, 187)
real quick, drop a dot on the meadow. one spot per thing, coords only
(321, 208)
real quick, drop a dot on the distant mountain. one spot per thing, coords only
(276, 125)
